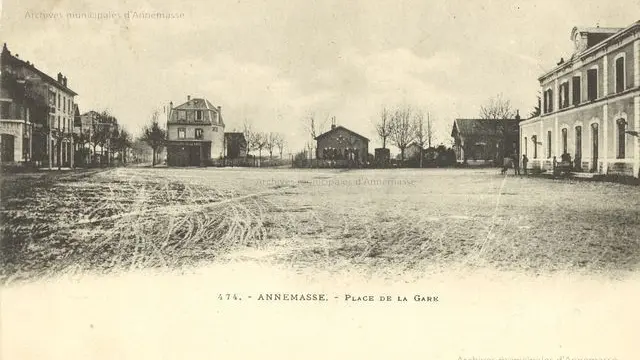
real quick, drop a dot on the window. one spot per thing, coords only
(64, 104)
(534, 140)
(198, 133)
(58, 122)
(578, 141)
(576, 90)
(215, 129)
(58, 100)
(548, 101)
(182, 115)
(182, 133)
(563, 96)
(525, 145)
(548, 144)
(622, 124)
(620, 74)
(564, 141)
(198, 114)
(592, 84)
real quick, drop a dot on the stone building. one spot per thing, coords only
(195, 133)
(591, 105)
(36, 114)
(340, 143)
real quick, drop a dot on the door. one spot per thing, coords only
(594, 147)
(7, 147)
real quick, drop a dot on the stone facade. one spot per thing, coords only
(591, 106)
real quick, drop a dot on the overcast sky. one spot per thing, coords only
(273, 62)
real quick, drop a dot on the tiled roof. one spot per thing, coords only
(13, 60)
(336, 129)
(196, 104)
(483, 126)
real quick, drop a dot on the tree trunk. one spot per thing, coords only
(153, 158)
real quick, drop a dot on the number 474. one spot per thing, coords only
(228, 297)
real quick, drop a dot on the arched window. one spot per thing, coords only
(564, 141)
(622, 126)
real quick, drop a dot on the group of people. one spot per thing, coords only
(513, 160)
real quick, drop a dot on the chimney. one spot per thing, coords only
(188, 97)
(64, 80)
(219, 108)
(333, 126)
(518, 115)
(60, 78)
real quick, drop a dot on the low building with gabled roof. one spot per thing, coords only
(340, 143)
(485, 141)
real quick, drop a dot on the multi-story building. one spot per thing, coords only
(37, 114)
(590, 105)
(195, 133)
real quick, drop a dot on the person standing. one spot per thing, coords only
(516, 164)
(525, 160)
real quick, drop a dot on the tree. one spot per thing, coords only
(260, 140)
(314, 129)
(497, 108)
(249, 136)
(121, 143)
(279, 141)
(384, 126)
(271, 143)
(403, 129)
(154, 135)
(420, 133)
(536, 110)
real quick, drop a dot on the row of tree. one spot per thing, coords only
(258, 140)
(106, 133)
(405, 125)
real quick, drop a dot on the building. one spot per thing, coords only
(340, 143)
(36, 114)
(485, 141)
(195, 133)
(235, 145)
(591, 105)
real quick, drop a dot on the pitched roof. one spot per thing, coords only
(13, 60)
(483, 126)
(338, 128)
(196, 104)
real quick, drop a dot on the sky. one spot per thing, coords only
(274, 63)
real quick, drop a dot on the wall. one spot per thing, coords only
(349, 140)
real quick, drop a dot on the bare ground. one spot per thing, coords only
(382, 222)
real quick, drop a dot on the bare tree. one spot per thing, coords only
(249, 136)
(420, 132)
(271, 143)
(497, 108)
(154, 135)
(279, 142)
(314, 128)
(260, 141)
(429, 130)
(384, 126)
(403, 129)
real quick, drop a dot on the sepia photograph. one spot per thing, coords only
(246, 179)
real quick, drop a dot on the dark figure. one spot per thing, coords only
(525, 160)
(516, 164)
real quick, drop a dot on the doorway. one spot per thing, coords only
(7, 147)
